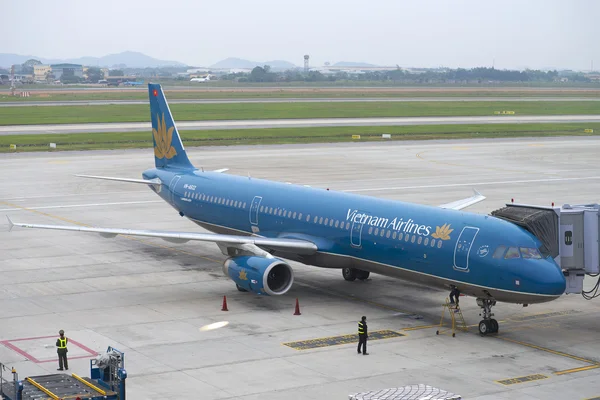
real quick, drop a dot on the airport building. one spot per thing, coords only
(40, 72)
(59, 69)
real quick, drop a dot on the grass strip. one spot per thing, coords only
(251, 111)
(129, 140)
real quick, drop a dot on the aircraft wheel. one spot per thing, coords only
(349, 274)
(494, 326)
(484, 327)
(241, 289)
(362, 275)
(437, 332)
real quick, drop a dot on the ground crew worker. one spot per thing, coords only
(61, 344)
(454, 295)
(362, 336)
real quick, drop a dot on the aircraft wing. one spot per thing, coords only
(295, 246)
(460, 204)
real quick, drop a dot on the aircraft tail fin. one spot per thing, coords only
(168, 147)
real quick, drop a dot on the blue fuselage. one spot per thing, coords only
(430, 245)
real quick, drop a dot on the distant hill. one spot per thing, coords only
(131, 59)
(239, 63)
(353, 64)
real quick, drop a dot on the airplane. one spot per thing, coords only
(205, 79)
(133, 83)
(260, 225)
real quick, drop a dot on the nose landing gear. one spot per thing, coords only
(487, 324)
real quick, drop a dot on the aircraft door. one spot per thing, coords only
(254, 210)
(463, 248)
(356, 232)
(172, 187)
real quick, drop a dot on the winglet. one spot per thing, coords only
(10, 223)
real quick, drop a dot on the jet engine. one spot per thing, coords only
(260, 275)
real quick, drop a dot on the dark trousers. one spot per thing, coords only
(62, 359)
(362, 342)
(454, 295)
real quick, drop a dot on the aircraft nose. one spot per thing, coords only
(555, 282)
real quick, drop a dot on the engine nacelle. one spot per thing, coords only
(260, 275)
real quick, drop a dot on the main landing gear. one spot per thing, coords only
(487, 324)
(352, 274)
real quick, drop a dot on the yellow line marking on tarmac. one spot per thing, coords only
(415, 328)
(522, 379)
(573, 370)
(558, 353)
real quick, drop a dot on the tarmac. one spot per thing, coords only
(149, 298)
(34, 103)
(293, 123)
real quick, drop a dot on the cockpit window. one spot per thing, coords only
(499, 252)
(527, 252)
(512, 252)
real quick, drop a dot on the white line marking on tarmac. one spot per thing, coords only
(474, 184)
(81, 205)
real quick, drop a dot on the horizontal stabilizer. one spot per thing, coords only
(295, 246)
(464, 203)
(109, 178)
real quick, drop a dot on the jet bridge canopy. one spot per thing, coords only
(543, 223)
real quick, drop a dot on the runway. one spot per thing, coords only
(294, 123)
(34, 103)
(149, 298)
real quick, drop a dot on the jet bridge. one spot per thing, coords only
(569, 234)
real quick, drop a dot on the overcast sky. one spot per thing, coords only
(421, 33)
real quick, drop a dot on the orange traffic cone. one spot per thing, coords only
(224, 304)
(297, 312)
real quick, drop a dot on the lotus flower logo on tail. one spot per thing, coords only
(442, 232)
(162, 138)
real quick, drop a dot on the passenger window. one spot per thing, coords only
(300, 216)
(331, 222)
(316, 219)
(499, 252)
(512, 252)
(294, 215)
(432, 243)
(440, 244)
(527, 252)
(326, 221)
(376, 231)
(337, 223)
(382, 232)
(412, 239)
(426, 241)
(400, 236)
(387, 234)
(347, 225)
(321, 220)
(244, 205)
(262, 208)
(406, 238)
(419, 240)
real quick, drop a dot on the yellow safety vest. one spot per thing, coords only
(62, 343)
(361, 329)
